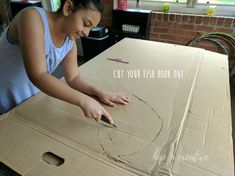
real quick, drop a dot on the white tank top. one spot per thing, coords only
(15, 87)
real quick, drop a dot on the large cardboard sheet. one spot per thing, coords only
(178, 121)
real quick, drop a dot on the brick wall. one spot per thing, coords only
(182, 28)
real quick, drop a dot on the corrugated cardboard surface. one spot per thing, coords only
(178, 121)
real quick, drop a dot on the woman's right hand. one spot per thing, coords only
(92, 109)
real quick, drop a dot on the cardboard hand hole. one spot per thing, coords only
(52, 159)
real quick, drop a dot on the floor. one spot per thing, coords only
(58, 73)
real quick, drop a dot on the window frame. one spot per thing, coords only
(199, 9)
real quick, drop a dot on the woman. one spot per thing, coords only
(36, 42)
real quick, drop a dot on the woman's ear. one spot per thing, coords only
(68, 8)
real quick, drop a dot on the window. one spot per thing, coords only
(55, 5)
(223, 7)
(162, 0)
(51, 5)
(219, 2)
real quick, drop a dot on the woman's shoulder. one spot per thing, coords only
(29, 12)
(29, 15)
(27, 18)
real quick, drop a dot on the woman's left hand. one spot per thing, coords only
(110, 98)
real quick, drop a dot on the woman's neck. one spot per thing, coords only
(56, 27)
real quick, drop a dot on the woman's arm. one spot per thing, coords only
(30, 33)
(72, 75)
(74, 80)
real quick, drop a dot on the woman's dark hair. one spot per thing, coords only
(84, 4)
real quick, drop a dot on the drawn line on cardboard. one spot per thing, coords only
(108, 154)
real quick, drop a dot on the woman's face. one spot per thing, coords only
(78, 24)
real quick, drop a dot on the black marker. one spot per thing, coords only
(106, 120)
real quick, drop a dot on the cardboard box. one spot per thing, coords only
(177, 123)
